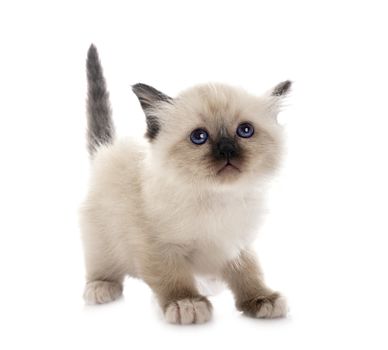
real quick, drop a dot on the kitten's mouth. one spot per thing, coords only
(228, 167)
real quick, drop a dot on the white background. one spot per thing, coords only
(324, 241)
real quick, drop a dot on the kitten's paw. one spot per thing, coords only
(100, 292)
(269, 306)
(188, 311)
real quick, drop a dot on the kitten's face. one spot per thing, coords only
(215, 134)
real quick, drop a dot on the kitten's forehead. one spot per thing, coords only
(218, 108)
(213, 98)
(216, 104)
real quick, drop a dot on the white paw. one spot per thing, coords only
(270, 306)
(100, 292)
(188, 311)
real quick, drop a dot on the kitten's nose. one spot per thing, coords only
(226, 148)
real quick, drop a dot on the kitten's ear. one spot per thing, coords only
(150, 100)
(276, 96)
(282, 89)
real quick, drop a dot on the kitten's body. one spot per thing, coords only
(204, 225)
(152, 214)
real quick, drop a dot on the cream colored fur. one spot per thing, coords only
(158, 211)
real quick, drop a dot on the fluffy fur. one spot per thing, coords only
(169, 210)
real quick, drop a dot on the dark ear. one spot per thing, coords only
(149, 99)
(276, 97)
(282, 89)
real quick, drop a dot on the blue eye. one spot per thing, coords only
(199, 136)
(245, 130)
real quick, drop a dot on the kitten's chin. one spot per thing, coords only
(228, 168)
(228, 173)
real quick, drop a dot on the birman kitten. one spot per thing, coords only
(185, 204)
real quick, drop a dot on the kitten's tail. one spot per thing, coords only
(100, 127)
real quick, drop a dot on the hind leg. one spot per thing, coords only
(104, 276)
(104, 272)
(104, 281)
(101, 292)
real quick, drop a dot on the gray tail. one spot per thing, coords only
(99, 114)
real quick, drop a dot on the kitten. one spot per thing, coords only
(185, 204)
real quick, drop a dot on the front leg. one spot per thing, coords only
(253, 297)
(168, 273)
